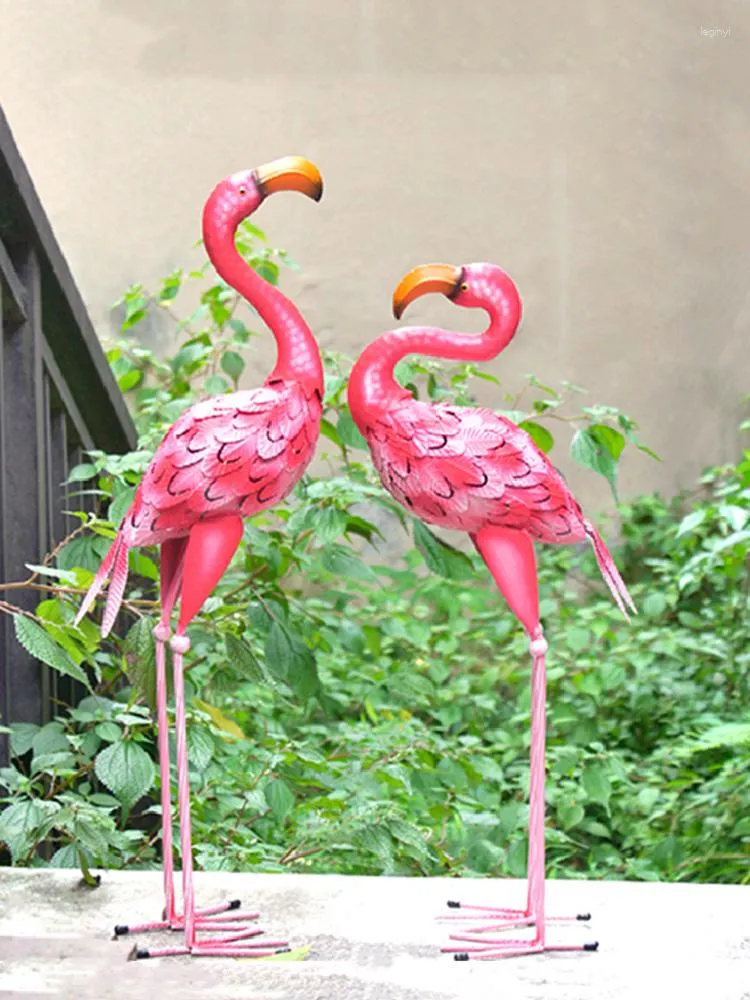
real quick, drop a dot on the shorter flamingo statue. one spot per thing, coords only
(225, 459)
(473, 470)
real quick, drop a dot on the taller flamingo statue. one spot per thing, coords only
(475, 471)
(225, 459)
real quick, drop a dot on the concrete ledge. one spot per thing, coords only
(373, 939)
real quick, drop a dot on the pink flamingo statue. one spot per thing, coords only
(472, 470)
(224, 459)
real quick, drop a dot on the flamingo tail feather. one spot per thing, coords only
(610, 572)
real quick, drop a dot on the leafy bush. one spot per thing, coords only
(357, 711)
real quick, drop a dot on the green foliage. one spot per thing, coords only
(354, 708)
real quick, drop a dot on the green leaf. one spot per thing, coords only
(120, 506)
(596, 784)
(348, 431)
(736, 516)
(19, 822)
(81, 473)
(508, 818)
(654, 604)
(216, 385)
(691, 522)
(608, 438)
(727, 735)
(328, 430)
(515, 416)
(538, 434)
(109, 732)
(50, 739)
(127, 771)
(736, 538)
(22, 737)
(65, 857)
(577, 639)
(232, 364)
(43, 647)
(65, 576)
(139, 651)
(280, 798)
(171, 286)
(200, 747)
(343, 562)
(241, 656)
(570, 814)
(190, 356)
(130, 380)
(86, 552)
(589, 452)
(410, 835)
(440, 557)
(225, 725)
(376, 839)
(516, 858)
(288, 658)
(141, 565)
(328, 523)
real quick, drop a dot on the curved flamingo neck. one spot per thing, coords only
(372, 386)
(298, 356)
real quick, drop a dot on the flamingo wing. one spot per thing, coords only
(465, 468)
(235, 453)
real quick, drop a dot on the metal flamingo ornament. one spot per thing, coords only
(226, 458)
(473, 470)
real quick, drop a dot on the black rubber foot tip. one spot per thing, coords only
(454, 904)
(137, 953)
(283, 951)
(121, 929)
(461, 956)
(585, 917)
(234, 904)
(591, 946)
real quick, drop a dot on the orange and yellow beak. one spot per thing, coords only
(290, 173)
(424, 280)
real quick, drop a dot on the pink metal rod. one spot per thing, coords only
(536, 899)
(522, 920)
(180, 645)
(517, 950)
(161, 632)
(208, 951)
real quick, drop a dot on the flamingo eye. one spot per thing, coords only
(464, 287)
(243, 191)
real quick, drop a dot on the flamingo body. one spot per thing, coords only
(466, 468)
(236, 454)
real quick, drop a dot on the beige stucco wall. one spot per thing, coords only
(598, 151)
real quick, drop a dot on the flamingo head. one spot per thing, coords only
(472, 286)
(237, 197)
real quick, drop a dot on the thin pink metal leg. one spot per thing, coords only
(535, 872)
(161, 634)
(180, 645)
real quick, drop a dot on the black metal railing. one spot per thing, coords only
(58, 398)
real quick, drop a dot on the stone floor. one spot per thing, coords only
(373, 939)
